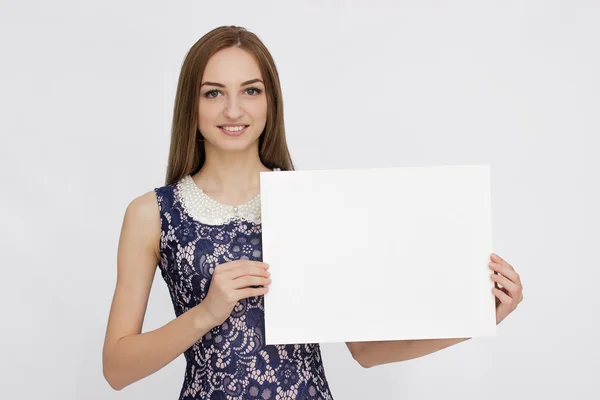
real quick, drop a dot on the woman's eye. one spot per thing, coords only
(254, 92)
(257, 91)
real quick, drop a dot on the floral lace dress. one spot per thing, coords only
(231, 361)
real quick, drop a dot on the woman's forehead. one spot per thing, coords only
(231, 67)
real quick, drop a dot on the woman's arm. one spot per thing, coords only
(129, 355)
(370, 354)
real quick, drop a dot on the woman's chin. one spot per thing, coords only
(239, 144)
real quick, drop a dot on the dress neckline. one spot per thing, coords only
(216, 202)
(207, 210)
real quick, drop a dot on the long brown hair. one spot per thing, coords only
(186, 153)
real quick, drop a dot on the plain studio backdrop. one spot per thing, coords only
(87, 93)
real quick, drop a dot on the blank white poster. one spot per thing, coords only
(378, 254)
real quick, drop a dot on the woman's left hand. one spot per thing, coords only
(511, 293)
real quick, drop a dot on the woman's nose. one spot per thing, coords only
(233, 109)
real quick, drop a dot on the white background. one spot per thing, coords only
(86, 93)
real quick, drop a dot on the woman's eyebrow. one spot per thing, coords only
(251, 81)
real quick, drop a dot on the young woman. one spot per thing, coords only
(203, 230)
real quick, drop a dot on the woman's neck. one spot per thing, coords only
(233, 177)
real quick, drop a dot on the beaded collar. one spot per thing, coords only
(206, 210)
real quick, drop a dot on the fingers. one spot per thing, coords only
(248, 270)
(507, 271)
(495, 257)
(499, 260)
(511, 293)
(236, 265)
(252, 292)
(502, 296)
(505, 282)
(247, 280)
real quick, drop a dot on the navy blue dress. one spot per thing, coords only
(231, 361)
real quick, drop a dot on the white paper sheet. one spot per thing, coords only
(378, 254)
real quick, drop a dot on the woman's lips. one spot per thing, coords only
(233, 133)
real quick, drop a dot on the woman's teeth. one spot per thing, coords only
(234, 128)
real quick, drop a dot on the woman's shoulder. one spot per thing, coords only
(142, 222)
(163, 196)
(145, 209)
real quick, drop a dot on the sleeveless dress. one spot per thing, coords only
(231, 361)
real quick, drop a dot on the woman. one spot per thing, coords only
(203, 231)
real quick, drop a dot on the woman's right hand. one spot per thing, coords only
(231, 282)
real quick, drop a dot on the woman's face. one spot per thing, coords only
(232, 111)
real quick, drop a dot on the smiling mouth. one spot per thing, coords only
(233, 130)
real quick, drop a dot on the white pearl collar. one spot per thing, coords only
(206, 210)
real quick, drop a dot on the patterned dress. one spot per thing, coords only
(231, 361)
